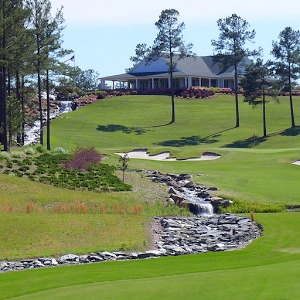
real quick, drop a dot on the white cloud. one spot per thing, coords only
(140, 12)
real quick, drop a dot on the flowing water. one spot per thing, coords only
(32, 134)
(203, 207)
(66, 106)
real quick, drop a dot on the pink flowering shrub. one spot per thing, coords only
(82, 159)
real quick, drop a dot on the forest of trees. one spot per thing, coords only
(32, 61)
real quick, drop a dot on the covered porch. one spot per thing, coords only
(161, 81)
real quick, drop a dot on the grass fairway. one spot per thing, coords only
(269, 268)
(250, 169)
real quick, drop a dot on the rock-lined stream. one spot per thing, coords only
(171, 236)
(206, 231)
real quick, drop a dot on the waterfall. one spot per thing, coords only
(201, 206)
(32, 134)
(66, 106)
(205, 208)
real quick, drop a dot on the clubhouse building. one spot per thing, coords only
(189, 71)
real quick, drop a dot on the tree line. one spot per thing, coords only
(32, 62)
(256, 78)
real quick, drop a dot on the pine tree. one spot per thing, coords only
(287, 61)
(13, 17)
(47, 32)
(230, 48)
(169, 41)
(255, 83)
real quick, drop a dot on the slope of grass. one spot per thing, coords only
(42, 220)
(250, 168)
(128, 122)
(267, 269)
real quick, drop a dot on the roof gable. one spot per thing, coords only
(201, 66)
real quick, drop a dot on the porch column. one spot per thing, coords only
(185, 82)
(189, 81)
(152, 82)
(102, 84)
(221, 83)
(169, 82)
(209, 82)
(136, 84)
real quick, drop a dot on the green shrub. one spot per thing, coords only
(101, 94)
(40, 149)
(239, 206)
(9, 164)
(17, 154)
(60, 150)
(30, 151)
(4, 155)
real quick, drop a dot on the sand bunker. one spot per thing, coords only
(143, 154)
(296, 162)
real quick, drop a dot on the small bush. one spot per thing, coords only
(9, 164)
(60, 150)
(4, 155)
(239, 206)
(82, 159)
(40, 149)
(30, 151)
(17, 154)
(101, 94)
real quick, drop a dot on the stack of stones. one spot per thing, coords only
(179, 183)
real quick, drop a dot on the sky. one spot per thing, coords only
(103, 34)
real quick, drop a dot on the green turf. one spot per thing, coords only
(250, 168)
(266, 269)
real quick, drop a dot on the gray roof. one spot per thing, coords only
(198, 66)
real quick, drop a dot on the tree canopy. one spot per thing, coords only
(286, 66)
(230, 48)
(168, 42)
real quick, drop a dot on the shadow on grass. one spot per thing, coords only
(291, 131)
(251, 142)
(124, 129)
(188, 141)
(193, 140)
(169, 123)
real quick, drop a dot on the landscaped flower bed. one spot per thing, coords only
(73, 171)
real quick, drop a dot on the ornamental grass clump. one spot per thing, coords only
(82, 159)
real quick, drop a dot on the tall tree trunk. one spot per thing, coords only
(48, 110)
(3, 108)
(3, 119)
(18, 96)
(237, 115)
(291, 99)
(264, 114)
(40, 106)
(172, 87)
(23, 111)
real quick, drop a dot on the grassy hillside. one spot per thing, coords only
(251, 168)
(142, 121)
(267, 269)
